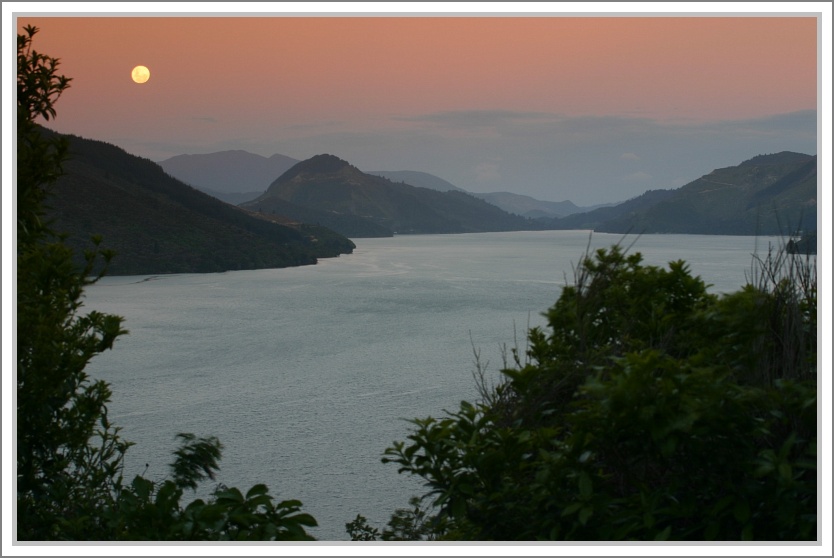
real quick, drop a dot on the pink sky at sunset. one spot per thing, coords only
(312, 69)
(557, 106)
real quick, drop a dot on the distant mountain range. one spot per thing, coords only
(772, 194)
(233, 176)
(333, 193)
(519, 204)
(527, 206)
(228, 171)
(421, 179)
(239, 176)
(769, 194)
(157, 224)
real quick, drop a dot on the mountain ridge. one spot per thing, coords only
(231, 171)
(772, 194)
(333, 187)
(157, 224)
(418, 178)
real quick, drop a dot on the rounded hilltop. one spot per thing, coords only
(324, 163)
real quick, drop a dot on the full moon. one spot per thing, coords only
(140, 74)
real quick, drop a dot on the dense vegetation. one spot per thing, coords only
(69, 456)
(648, 409)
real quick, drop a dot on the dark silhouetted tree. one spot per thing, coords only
(70, 482)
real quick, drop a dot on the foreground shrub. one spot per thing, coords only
(70, 483)
(647, 409)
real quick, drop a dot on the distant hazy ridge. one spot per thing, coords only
(158, 224)
(768, 194)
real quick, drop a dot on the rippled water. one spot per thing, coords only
(305, 374)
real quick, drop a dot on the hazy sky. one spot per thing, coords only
(590, 109)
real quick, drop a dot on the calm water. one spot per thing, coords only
(306, 374)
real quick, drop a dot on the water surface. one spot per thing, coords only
(306, 374)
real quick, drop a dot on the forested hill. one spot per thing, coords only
(772, 194)
(157, 224)
(357, 204)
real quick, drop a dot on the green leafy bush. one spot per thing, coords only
(647, 409)
(70, 483)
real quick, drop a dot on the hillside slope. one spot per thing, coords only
(157, 224)
(769, 195)
(332, 187)
(597, 218)
(226, 175)
(527, 206)
(419, 179)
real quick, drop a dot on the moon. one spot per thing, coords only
(140, 74)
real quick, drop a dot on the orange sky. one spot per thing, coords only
(407, 93)
(679, 67)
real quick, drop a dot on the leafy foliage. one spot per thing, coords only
(414, 523)
(153, 511)
(70, 482)
(62, 477)
(38, 161)
(648, 409)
